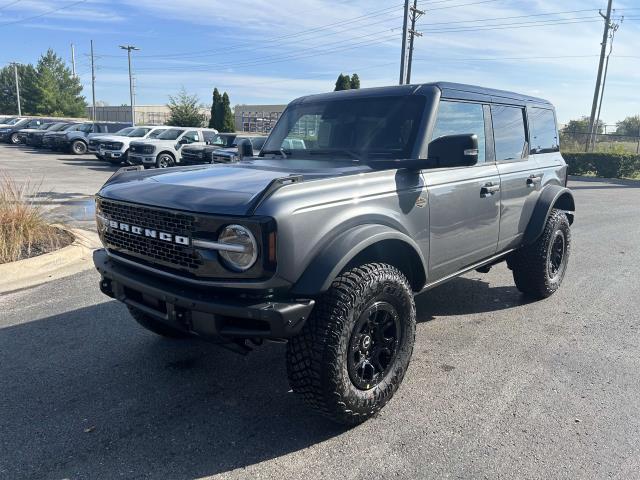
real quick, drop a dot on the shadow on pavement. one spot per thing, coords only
(463, 296)
(89, 394)
(97, 165)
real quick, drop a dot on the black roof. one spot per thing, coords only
(448, 89)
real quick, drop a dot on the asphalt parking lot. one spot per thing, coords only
(497, 387)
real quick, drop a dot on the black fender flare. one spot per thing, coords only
(552, 196)
(345, 247)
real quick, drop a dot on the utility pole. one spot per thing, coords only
(612, 35)
(415, 14)
(93, 84)
(128, 48)
(403, 53)
(605, 35)
(15, 71)
(73, 60)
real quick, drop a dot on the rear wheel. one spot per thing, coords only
(165, 160)
(78, 147)
(539, 268)
(354, 350)
(156, 326)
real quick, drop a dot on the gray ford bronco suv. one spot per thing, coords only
(324, 242)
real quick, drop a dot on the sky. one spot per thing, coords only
(272, 51)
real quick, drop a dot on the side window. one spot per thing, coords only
(544, 133)
(458, 118)
(509, 132)
(208, 136)
(192, 136)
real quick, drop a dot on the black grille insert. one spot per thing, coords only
(168, 253)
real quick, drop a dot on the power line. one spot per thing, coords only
(48, 12)
(7, 5)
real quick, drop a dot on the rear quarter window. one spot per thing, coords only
(543, 129)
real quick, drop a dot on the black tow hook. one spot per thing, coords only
(105, 287)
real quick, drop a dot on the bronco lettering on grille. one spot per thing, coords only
(147, 232)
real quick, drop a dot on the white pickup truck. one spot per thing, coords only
(166, 149)
(115, 148)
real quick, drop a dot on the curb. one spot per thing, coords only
(69, 260)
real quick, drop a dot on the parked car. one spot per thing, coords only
(76, 141)
(116, 150)
(24, 133)
(223, 149)
(95, 139)
(34, 137)
(51, 138)
(9, 134)
(165, 150)
(400, 190)
(8, 121)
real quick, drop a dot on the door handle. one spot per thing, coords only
(489, 189)
(533, 180)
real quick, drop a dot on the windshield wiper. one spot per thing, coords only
(275, 152)
(336, 151)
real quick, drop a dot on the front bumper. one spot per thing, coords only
(200, 311)
(137, 159)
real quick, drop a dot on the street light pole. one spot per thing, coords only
(128, 48)
(15, 71)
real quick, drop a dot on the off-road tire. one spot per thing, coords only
(532, 266)
(14, 139)
(156, 326)
(317, 358)
(165, 160)
(78, 147)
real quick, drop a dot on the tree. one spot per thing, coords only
(57, 91)
(355, 81)
(27, 79)
(630, 126)
(342, 83)
(216, 109)
(581, 126)
(228, 122)
(185, 110)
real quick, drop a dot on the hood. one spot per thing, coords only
(105, 138)
(226, 189)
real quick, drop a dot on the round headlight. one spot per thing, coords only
(245, 251)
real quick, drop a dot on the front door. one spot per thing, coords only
(464, 202)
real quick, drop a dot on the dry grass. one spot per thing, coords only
(24, 231)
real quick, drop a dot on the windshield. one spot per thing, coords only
(45, 126)
(223, 140)
(73, 127)
(356, 128)
(137, 132)
(57, 126)
(156, 132)
(124, 132)
(10, 121)
(21, 122)
(171, 134)
(85, 127)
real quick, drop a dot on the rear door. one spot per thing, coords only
(545, 145)
(519, 174)
(464, 202)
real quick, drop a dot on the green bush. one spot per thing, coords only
(607, 165)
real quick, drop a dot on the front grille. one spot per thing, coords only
(113, 145)
(142, 148)
(153, 249)
(192, 156)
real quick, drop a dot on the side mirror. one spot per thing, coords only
(245, 149)
(454, 150)
(183, 141)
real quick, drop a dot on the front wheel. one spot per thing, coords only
(354, 350)
(78, 147)
(14, 139)
(165, 160)
(539, 268)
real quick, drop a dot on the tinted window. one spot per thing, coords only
(192, 136)
(508, 132)
(171, 134)
(210, 137)
(137, 132)
(456, 118)
(349, 128)
(155, 133)
(544, 134)
(258, 142)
